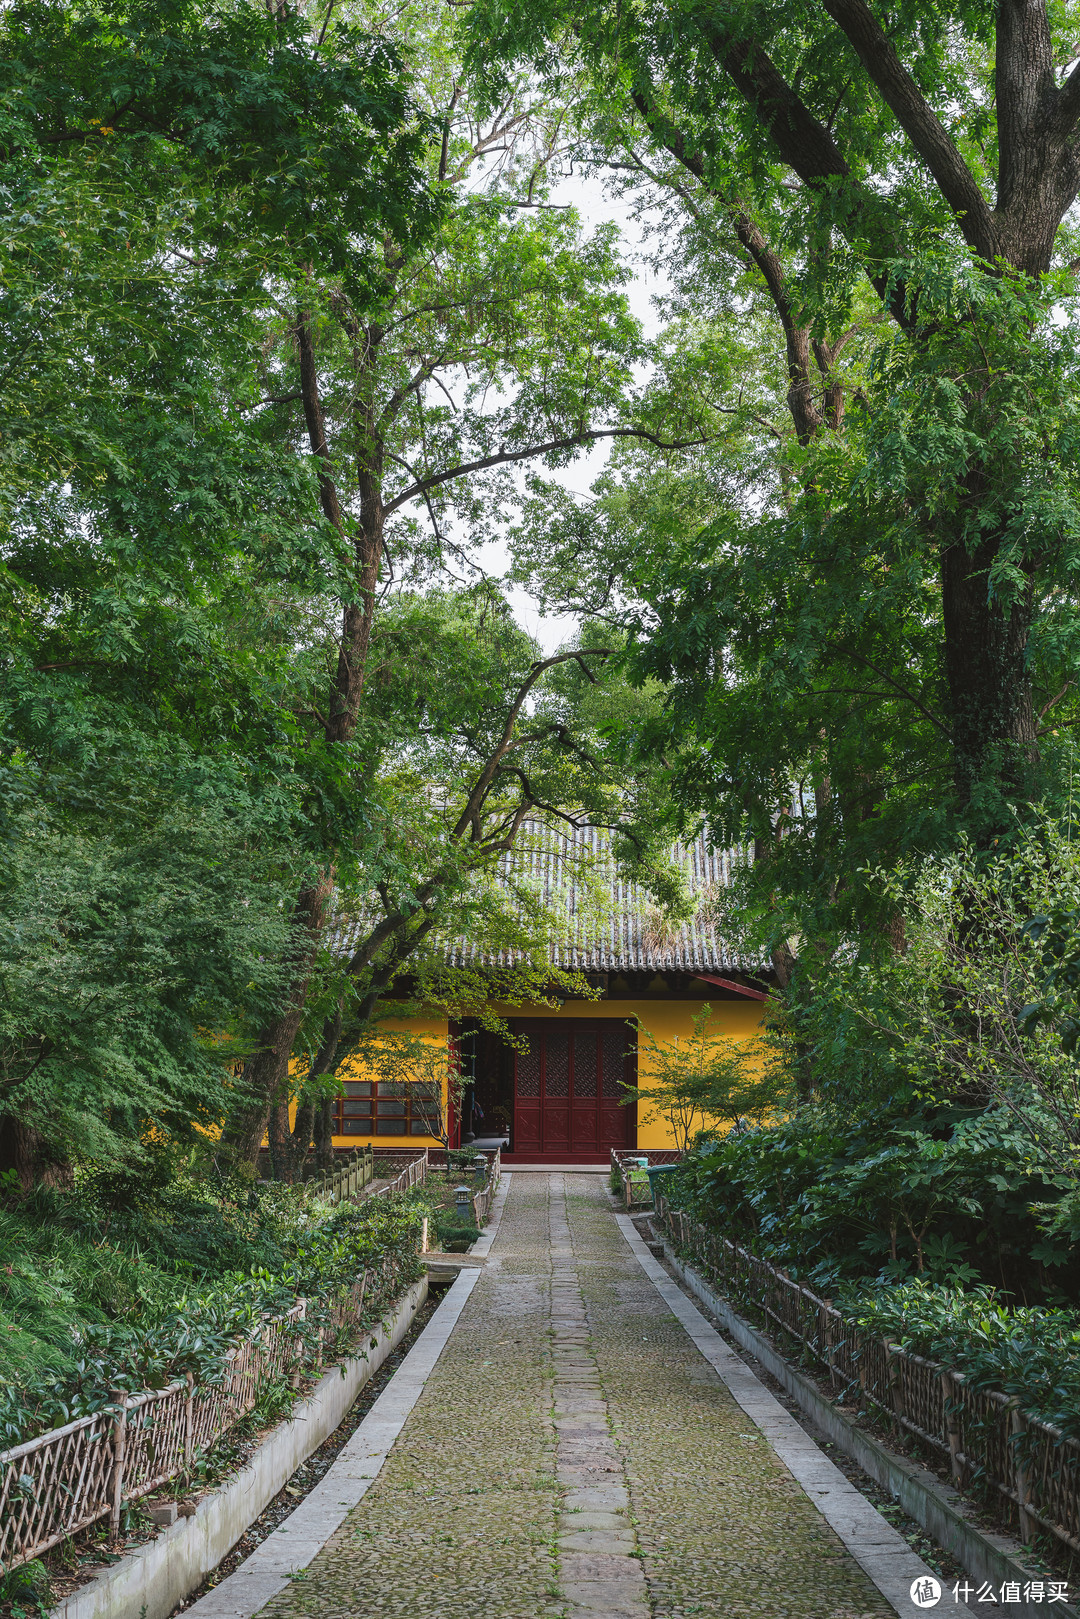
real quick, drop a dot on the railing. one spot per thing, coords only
(983, 1435)
(637, 1193)
(483, 1199)
(344, 1184)
(72, 1477)
(414, 1173)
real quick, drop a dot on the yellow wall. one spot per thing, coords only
(432, 1029)
(665, 1019)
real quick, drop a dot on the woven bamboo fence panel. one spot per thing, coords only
(72, 1477)
(485, 1197)
(1031, 1467)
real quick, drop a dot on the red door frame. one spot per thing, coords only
(567, 1095)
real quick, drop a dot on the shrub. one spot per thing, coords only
(456, 1238)
(107, 1318)
(945, 1194)
(1031, 1353)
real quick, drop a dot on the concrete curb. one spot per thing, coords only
(881, 1552)
(305, 1532)
(149, 1582)
(940, 1509)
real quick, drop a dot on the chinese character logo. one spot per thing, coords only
(925, 1591)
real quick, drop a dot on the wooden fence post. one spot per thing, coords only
(952, 1428)
(119, 1445)
(189, 1423)
(896, 1382)
(1018, 1426)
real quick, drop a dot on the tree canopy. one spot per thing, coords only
(292, 331)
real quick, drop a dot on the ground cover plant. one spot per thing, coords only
(128, 1284)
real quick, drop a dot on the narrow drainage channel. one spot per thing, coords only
(600, 1568)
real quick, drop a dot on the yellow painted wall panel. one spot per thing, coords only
(665, 1019)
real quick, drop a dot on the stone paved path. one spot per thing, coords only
(573, 1454)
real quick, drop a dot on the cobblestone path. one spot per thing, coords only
(723, 1527)
(574, 1455)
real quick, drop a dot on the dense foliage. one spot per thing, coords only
(930, 1230)
(939, 1192)
(290, 332)
(131, 1281)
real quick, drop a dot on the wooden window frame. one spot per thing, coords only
(352, 1120)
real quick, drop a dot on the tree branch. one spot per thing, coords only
(316, 425)
(809, 149)
(574, 441)
(919, 122)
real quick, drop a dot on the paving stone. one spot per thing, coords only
(575, 1522)
(569, 1422)
(723, 1526)
(575, 1566)
(605, 1596)
(605, 1498)
(460, 1522)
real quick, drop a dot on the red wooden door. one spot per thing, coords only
(568, 1089)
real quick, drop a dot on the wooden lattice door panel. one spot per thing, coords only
(527, 1099)
(568, 1088)
(556, 1114)
(586, 1132)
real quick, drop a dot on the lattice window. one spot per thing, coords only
(615, 1042)
(557, 1075)
(585, 1066)
(383, 1108)
(528, 1072)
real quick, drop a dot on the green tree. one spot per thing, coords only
(706, 1082)
(934, 166)
(159, 558)
(505, 340)
(488, 743)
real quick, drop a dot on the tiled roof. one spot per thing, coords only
(612, 925)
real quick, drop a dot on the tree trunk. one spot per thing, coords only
(324, 1136)
(266, 1076)
(279, 1137)
(300, 1138)
(986, 668)
(35, 1160)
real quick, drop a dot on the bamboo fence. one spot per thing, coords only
(65, 1480)
(982, 1435)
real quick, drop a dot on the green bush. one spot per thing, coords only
(83, 1313)
(940, 1229)
(946, 1194)
(454, 1238)
(1031, 1353)
(25, 1592)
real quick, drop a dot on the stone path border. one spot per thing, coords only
(306, 1530)
(561, 1169)
(988, 1555)
(876, 1546)
(482, 1246)
(147, 1583)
